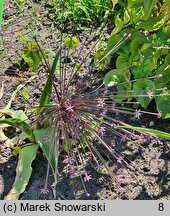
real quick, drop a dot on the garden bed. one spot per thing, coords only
(152, 157)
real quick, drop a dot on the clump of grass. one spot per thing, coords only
(81, 12)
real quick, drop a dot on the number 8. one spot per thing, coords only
(161, 207)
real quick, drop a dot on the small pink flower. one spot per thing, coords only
(159, 115)
(44, 190)
(150, 94)
(123, 138)
(87, 177)
(119, 159)
(137, 114)
(100, 102)
(99, 166)
(62, 137)
(101, 130)
(132, 174)
(137, 173)
(69, 107)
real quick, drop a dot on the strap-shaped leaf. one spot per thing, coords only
(158, 133)
(45, 98)
(23, 171)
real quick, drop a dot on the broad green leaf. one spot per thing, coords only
(144, 69)
(136, 11)
(123, 92)
(112, 41)
(31, 55)
(165, 71)
(116, 76)
(110, 80)
(115, 42)
(140, 89)
(126, 17)
(163, 105)
(166, 31)
(167, 60)
(23, 171)
(134, 3)
(21, 125)
(72, 42)
(158, 133)
(136, 45)
(145, 46)
(148, 7)
(45, 97)
(119, 25)
(150, 64)
(152, 24)
(122, 61)
(16, 114)
(165, 9)
(20, 114)
(46, 139)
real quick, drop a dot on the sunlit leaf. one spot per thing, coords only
(163, 105)
(158, 133)
(140, 89)
(25, 94)
(152, 24)
(72, 42)
(148, 7)
(45, 97)
(23, 171)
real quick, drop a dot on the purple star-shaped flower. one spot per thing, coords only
(87, 177)
(44, 190)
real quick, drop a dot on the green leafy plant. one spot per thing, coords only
(145, 56)
(82, 11)
(30, 52)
